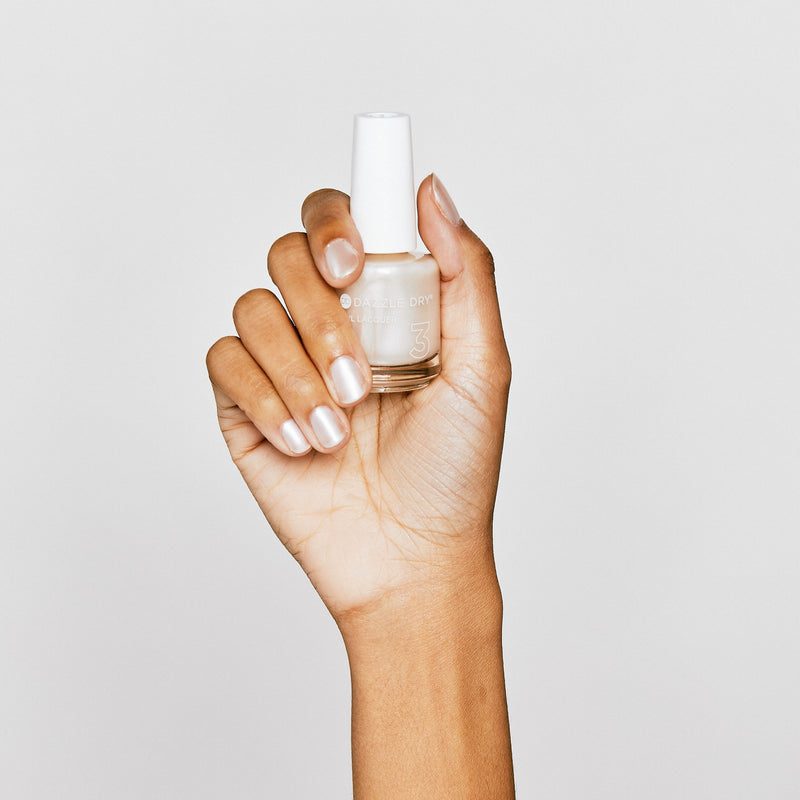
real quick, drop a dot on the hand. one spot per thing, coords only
(377, 496)
(385, 500)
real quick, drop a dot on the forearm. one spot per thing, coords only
(429, 706)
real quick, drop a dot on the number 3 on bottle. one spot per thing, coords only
(422, 344)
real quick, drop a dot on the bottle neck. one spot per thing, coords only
(391, 258)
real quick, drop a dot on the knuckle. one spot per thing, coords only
(298, 380)
(318, 204)
(313, 201)
(324, 331)
(484, 257)
(263, 402)
(253, 303)
(219, 352)
(504, 372)
(288, 246)
(496, 363)
(477, 252)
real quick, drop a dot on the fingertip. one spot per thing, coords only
(425, 201)
(341, 262)
(443, 201)
(329, 429)
(293, 438)
(442, 238)
(351, 382)
(432, 196)
(333, 238)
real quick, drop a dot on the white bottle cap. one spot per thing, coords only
(382, 197)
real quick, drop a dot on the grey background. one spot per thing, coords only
(633, 166)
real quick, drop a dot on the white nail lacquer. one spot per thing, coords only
(348, 380)
(294, 438)
(326, 426)
(394, 305)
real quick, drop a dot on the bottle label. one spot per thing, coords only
(395, 330)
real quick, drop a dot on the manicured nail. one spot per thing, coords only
(445, 202)
(341, 258)
(293, 437)
(348, 379)
(326, 426)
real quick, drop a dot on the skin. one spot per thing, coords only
(392, 525)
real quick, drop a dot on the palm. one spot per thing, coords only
(407, 496)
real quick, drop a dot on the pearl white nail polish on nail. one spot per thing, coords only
(347, 379)
(326, 426)
(341, 258)
(445, 202)
(293, 437)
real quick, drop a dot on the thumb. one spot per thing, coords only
(473, 346)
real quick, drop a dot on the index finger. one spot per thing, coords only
(333, 238)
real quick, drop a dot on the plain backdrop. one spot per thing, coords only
(635, 168)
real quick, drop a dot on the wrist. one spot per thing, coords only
(429, 705)
(460, 608)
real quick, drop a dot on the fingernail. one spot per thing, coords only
(445, 202)
(348, 379)
(293, 437)
(326, 426)
(341, 258)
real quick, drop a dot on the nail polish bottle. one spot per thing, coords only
(394, 304)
